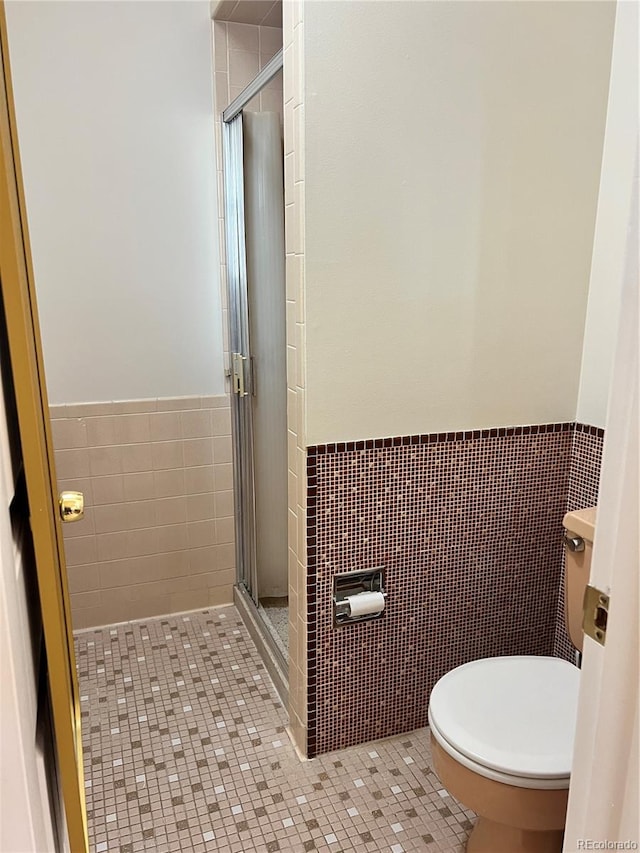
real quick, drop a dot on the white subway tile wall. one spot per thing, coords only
(158, 531)
(293, 39)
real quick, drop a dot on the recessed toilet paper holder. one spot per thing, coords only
(353, 584)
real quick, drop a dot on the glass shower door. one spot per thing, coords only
(266, 303)
(256, 276)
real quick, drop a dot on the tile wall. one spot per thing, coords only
(239, 52)
(158, 532)
(584, 479)
(294, 195)
(468, 527)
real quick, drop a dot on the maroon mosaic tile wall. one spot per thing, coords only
(468, 527)
(584, 479)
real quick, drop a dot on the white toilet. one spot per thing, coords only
(502, 730)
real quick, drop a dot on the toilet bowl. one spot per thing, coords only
(502, 734)
(502, 729)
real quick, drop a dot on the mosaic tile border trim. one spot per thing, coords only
(577, 432)
(595, 432)
(440, 437)
(312, 609)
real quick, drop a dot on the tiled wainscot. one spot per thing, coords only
(468, 527)
(158, 532)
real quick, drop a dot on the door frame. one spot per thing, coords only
(27, 367)
(239, 357)
(246, 589)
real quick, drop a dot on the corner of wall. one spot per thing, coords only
(293, 29)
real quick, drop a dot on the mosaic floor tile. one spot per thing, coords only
(186, 749)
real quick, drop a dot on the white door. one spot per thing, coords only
(604, 796)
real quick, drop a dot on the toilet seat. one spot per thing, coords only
(511, 719)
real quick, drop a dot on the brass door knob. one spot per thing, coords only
(71, 506)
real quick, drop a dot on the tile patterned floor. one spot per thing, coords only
(186, 749)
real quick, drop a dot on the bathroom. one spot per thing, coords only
(455, 239)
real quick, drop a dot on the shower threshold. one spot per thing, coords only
(270, 649)
(275, 611)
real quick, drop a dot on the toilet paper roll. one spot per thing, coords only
(365, 603)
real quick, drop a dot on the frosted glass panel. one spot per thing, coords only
(264, 234)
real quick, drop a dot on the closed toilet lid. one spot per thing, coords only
(515, 715)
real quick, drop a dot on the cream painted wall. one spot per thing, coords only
(116, 130)
(451, 175)
(619, 159)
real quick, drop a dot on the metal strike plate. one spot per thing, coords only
(71, 506)
(238, 367)
(595, 614)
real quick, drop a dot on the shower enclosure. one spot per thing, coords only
(254, 222)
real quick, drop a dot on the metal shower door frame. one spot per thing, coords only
(239, 345)
(239, 338)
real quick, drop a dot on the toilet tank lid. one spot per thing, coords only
(582, 522)
(512, 714)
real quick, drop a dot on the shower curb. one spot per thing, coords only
(249, 616)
